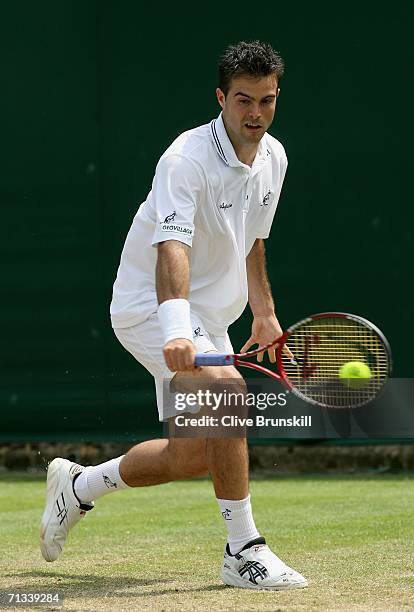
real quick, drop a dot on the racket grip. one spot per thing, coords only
(213, 359)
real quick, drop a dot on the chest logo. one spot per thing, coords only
(224, 206)
(266, 199)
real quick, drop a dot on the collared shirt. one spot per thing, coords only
(204, 196)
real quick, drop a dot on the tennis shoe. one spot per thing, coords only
(257, 567)
(63, 508)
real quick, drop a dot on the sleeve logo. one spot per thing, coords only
(168, 225)
(169, 218)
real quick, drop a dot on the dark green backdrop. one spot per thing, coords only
(92, 93)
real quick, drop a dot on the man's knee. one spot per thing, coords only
(218, 404)
(222, 381)
(228, 377)
(230, 390)
(206, 376)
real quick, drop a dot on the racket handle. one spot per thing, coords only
(213, 359)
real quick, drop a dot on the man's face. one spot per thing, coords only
(249, 107)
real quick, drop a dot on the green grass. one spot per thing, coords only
(160, 548)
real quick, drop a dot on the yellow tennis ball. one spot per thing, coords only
(355, 374)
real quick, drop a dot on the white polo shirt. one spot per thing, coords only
(203, 196)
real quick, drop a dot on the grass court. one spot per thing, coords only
(160, 548)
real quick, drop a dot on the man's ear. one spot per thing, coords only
(220, 97)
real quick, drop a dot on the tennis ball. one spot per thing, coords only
(355, 374)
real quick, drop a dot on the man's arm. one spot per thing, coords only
(172, 277)
(265, 326)
(260, 293)
(172, 274)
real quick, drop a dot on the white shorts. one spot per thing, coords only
(145, 342)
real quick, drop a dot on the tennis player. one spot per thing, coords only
(193, 258)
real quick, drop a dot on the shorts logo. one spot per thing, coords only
(197, 332)
(224, 206)
(265, 201)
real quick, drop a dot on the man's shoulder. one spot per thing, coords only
(192, 144)
(275, 147)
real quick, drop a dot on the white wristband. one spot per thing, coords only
(175, 321)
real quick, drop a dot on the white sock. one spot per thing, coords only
(237, 515)
(98, 480)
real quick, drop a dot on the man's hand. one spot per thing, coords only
(179, 355)
(265, 329)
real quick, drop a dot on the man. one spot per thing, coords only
(192, 259)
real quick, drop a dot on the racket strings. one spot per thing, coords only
(321, 347)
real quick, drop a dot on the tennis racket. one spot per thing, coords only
(321, 344)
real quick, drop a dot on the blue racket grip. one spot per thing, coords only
(213, 359)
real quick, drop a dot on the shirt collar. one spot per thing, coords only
(225, 150)
(262, 155)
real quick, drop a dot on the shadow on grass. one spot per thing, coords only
(106, 587)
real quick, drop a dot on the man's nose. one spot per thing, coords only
(255, 110)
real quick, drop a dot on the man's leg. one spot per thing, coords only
(158, 461)
(228, 464)
(226, 448)
(149, 463)
(248, 561)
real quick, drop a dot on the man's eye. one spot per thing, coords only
(244, 101)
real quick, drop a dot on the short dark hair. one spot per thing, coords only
(254, 58)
